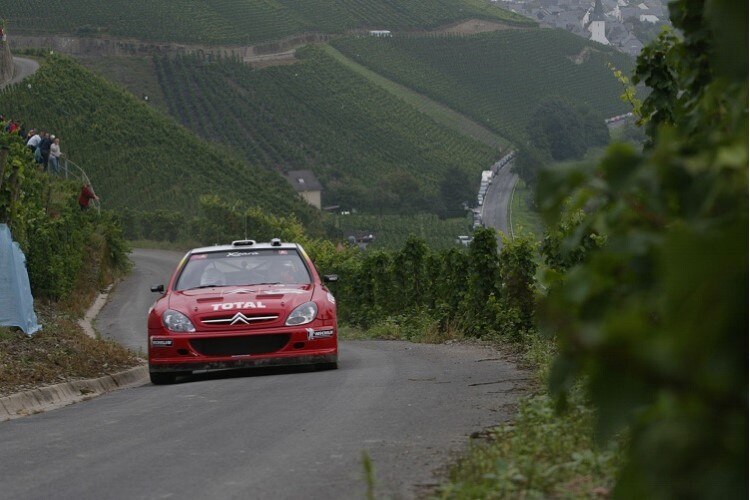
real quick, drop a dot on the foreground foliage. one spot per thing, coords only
(479, 292)
(540, 455)
(62, 244)
(70, 256)
(656, 317)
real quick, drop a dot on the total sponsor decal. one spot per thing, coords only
(161, 342)
(228, 306)
(313, 334)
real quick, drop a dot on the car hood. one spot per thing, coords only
(278, 299)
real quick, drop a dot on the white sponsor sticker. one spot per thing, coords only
(319, 334)
(228, 306)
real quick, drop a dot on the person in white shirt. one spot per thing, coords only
(33, 143)
(54, 156)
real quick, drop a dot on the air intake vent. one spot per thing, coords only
(239, 346)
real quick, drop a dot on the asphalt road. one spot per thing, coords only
(23, 68)
(286, 434)
(123, 319)
(496, 206)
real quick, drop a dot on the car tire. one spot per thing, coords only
(162, 378)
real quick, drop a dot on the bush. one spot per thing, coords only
(61, 243)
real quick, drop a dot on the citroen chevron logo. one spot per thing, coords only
(240, 318)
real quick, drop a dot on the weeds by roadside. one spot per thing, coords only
(543, 453)
(59, 352)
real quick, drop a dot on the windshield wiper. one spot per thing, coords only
(204, 286)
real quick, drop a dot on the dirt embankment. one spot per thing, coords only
(6, 63)
(109, 46)
(475, 26)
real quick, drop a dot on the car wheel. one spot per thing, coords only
(162, 378)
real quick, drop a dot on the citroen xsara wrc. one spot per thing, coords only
(242, 305)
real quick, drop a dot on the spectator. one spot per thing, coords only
(34, 140)
(44, 148)
(87, 194)
(12, 126)
(54, 156)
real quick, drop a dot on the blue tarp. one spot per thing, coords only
(16, 302)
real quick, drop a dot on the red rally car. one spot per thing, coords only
(242, 305)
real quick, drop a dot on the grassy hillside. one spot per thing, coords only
(438, 112)
(497, 78)
(239, 21)
(135, 156)
(370, 149)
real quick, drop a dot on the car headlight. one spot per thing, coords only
(302, 314)
(175, 321)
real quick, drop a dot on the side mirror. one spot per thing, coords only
(158, 288)
(330, 278)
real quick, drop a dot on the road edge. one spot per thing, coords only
(56, 396)
(51, 397)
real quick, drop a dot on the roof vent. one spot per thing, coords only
(275, 242)
(243, 243)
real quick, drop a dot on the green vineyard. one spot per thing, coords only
(135, 156)
(390, 232)
(370, 150)
(239, 21)
(498, 78)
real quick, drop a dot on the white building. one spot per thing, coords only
(597, 25)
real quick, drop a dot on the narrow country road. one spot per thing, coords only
(23, 68)
(260, 434)
(496, 206)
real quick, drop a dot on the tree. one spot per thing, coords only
(656, 320)
(455, 188)
(565, 132)
(528, 163)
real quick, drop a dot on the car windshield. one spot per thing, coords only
(244, 267)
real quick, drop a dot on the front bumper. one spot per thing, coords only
(168, 352)
(242, 363)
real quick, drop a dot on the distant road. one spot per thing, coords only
(496, 207)
(23, 68)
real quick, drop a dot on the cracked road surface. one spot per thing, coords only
(269, 433)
